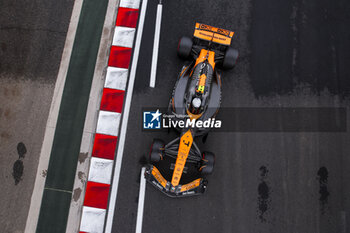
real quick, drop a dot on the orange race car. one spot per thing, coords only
(179, 168)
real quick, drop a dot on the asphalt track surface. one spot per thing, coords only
(32, 38)
(292, 54)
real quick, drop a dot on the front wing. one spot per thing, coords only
(195, 187)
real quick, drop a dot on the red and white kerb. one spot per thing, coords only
(105, 142)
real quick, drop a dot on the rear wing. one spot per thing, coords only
(217, 35)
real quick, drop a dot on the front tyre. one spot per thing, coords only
(207, 163)
(185, 47)
(230, 58)
(157, 150)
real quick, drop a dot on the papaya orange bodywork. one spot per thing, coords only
(217, 35)
(191, 185)
(193, 116)
(184, 149)
(183, 70)
(201, 83)
(159, 177)
(204, 55)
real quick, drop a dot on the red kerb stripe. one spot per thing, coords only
(96, 195)
(119, 57)
(127, 17)
(112, 100)
(104, 146)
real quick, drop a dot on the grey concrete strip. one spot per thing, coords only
(37, 194)
(81, 175)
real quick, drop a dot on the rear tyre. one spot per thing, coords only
(157, 150)
(208, 162)
(185, 47)
(230, 58)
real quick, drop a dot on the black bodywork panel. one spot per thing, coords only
(184, 84)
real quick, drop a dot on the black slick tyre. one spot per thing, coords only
(185, 47)
(157, 150)
(230, 58)
(207, 164)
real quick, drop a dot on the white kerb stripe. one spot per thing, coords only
(152, 81)
(92, 220)
(130, 4)
(123, 36)
(100, 170)
(108, 123)
(124, 124)
(141, 201)
(116, 78)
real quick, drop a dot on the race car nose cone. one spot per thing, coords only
(196, 102)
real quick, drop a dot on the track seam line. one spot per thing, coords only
(59, 190)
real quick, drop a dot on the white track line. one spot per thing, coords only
(152, 81)
(141, 201)
(124, 123)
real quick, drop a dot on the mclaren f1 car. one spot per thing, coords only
(180, 168)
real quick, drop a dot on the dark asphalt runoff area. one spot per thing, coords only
(32, 38)
(292, 54)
